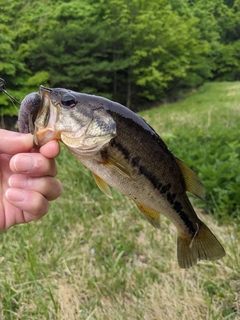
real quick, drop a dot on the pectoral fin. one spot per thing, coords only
(192, 181)
(151, 215)
(102, 185)
(115, 165)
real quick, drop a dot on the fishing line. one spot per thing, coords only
(3, 89)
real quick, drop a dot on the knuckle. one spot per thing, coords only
(40, 207)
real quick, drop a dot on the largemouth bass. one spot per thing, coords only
(124, 152)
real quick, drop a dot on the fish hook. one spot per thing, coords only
(3, 89)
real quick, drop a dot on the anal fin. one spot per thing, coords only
(151, 215)
(102, 185)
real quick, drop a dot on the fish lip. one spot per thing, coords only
(45, 132)
(42, 89)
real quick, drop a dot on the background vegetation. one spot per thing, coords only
(137, 52)
(203, 130)
(92, 258)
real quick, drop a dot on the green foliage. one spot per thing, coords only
(135, 52)
(173, 49)
(228, 62)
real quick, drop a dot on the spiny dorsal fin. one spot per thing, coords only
(192, 181)
(151, 215)
(102, 185)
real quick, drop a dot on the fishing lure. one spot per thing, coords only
(3, 89)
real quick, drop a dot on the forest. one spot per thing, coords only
(139, 52)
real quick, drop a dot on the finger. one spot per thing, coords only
(49, 187)
(33, 164)
(14, 142)
(50, 149)
(32, 202)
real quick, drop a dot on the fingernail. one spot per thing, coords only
(15, 195)
(17, 181)
(23, 163)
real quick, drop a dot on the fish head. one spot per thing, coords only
(73, 118)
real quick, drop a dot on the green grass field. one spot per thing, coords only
(93, 258)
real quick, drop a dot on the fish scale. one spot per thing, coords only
(124, 152)
(153, 176)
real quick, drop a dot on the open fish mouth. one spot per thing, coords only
(46, 119)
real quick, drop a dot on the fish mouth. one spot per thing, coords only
(46, 119)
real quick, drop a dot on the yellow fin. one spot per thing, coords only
(115, 165)
(202, 246)
(151, 215)
(192, 181)
(102, 185)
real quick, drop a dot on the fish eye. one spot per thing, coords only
(68, 101)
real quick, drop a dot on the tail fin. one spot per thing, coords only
(203, 246)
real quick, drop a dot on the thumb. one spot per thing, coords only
(14, 142)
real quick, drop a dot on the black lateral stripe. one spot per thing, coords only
(121, 148)
(188, 223)
(163, 189)
(135, 161)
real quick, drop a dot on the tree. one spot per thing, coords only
(135, 52)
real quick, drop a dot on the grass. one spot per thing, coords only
(203, 130)
(93, 258)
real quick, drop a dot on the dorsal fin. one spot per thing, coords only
(192, 181)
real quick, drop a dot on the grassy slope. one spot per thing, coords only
(203, 130)
(93, 258)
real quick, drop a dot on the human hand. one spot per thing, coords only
(27, 182)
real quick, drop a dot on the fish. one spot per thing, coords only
(124, 152)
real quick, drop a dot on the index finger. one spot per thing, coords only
(15, 142)
(33, 164)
